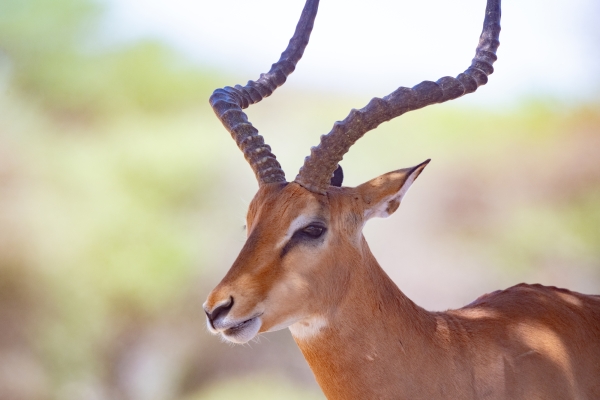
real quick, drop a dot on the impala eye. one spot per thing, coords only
(308, 236)
(313, 231)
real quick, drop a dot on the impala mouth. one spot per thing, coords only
(242, 331)
(234, 329)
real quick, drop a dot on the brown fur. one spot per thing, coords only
(526, 342)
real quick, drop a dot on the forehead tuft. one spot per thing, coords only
(281, 202)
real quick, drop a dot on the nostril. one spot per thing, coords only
(221, 311)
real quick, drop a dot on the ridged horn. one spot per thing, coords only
(315, 174)
(228, 102)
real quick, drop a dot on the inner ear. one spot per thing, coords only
(382, 196)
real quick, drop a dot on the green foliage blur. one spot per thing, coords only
(119, 193)
(103, 168)
(52, 50)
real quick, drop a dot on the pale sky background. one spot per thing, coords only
(548, 47)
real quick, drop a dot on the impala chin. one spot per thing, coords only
(238, 331)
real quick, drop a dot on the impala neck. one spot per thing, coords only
(373, 329)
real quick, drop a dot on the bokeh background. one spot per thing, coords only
(122, 199)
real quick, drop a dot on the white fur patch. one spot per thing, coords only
(308, 328)
(300, 221)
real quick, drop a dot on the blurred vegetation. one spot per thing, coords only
(113, 215)
(253, 388)
(54, 57)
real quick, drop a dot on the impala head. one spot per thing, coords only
(298, 231)
(284, 273)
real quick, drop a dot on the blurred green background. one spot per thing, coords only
(122, 203)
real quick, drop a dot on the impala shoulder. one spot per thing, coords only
(531, 302)
(525, 291)
(551, 295)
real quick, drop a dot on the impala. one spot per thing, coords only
(306, 266)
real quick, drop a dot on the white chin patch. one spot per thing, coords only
(243, 332)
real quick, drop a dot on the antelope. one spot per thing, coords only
(306, 266)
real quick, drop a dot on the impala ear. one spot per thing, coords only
(338, 177)
(382, 196)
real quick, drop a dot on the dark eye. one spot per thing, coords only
(313, 231)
